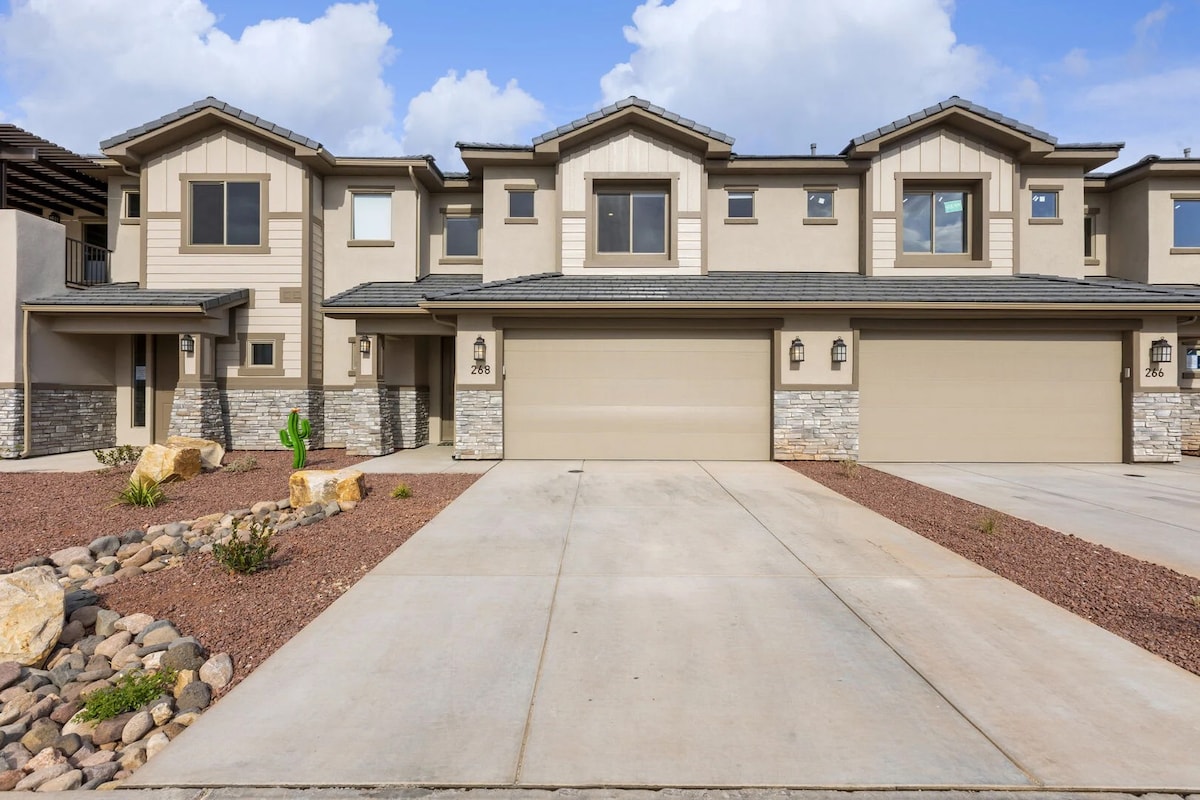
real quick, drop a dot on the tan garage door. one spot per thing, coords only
(990, 397)
(637, 394)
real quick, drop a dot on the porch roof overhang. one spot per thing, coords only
(128, 308)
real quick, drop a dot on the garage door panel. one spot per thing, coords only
(637, 394)
(991, 397)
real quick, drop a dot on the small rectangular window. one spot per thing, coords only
(520, 204)
(462, 237)
(1089, 237)
(226, 213)
(1187, 223)
(139, 381)
(741, 205)
(262, 354)
(1045, 205)
(133, 205)
(372, 216)
(820, 205)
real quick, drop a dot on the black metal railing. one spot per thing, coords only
(87, 264)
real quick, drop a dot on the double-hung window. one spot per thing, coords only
(226, 213)
(631, 221)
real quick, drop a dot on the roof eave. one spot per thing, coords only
(960, 118)
(862, 306)
(711, 147)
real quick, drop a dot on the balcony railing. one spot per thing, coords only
(87, 264)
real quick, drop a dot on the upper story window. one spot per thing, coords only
(631, 221)
(1089, 236)
(520, 203)
(819, 208)
(131, 204)
(371, 214)
(1187, 221)
(226, 213)
(1043, 204)
(937, 221)
(741, 204)
(461, 237)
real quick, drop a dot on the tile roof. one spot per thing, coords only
(815, 287)
(121, 295)
(220, 105)
(952, 102)
(492, 146)
(645, 105)
(400, 294)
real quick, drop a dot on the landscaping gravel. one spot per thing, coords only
(1149, 605)
(44, 512)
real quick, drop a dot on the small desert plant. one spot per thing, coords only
(129, 693)
(118, 456)
(243, 464)
(141, 493)
(848, 468)
(1195, 599)
(402, 491)
(246, 554)
(989, 524)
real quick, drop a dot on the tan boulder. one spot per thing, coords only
(33, 603)
(161, 463)
(211, 453)
(326, 486)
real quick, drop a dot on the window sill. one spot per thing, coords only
(944, 261)
(634, 260)
(741, 221)
(460, 260)
(224, 250)
(1045, 221)
(1185, 251)
(1091, 262)
(260, 372)
(520, 221)
(820, 221)
(370, 243)
(131, 220)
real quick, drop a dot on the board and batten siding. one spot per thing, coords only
(632, 154)
(224, 153)
(937, 152)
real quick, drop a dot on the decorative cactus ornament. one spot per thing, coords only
(293, 436)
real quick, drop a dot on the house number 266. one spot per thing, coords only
(1152, 372)
(481, 369)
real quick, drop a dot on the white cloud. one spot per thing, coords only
(1147, 29)
(779, 74)
(1165, 120)
(470, 108)
(1075, 63)
(85, 71)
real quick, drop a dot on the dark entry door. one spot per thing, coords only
(447, 378)
(166, 375)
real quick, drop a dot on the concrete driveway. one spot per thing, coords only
(681, 624)
(1150, 511)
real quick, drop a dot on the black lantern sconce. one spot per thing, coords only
(364, 346)
(796, 351)
(838, 352)
(480, 350)
(187, 344)
(1160, 352)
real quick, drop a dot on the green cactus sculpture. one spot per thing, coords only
(293, 436)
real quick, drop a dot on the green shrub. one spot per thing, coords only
(402, 491)
(989, 524)
(118, 456)
(249, 554)
(243, 464)
(129, 693)
(141, 493)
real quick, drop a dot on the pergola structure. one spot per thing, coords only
(42, 178)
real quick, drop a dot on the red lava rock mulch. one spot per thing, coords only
(251, 616)
(46, 511)
(1145, 603)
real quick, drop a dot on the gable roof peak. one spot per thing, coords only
(628, 102)
(953, 101)
(218, 105)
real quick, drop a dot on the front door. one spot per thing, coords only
(166, 375)
(447, 379)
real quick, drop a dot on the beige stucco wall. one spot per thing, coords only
(1052, 248)
(1165, 266)
(435, 206)
(69, 359)
(779, 239)
(124, 236)
(519, 247)
(33, 252)
(470, 327)
(935, 154)
(1156, 328)
(817, 370)
(347, 264)
(1098, 202)
(1128, 242)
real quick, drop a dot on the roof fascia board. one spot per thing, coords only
(788, 165)
(964, 120)
(1154, 169)
(633, 116)
(862, 306)
(1088, 159)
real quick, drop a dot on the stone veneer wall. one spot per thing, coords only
(816, 425)
(1190, 420)
(410, 417)
(12, 422)
(1157, 426)
(478, 424)
(339, 416)
(370, 428)
(65, 420)
(252, 418)
(196, 412)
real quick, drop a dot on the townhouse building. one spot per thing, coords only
(953, 286)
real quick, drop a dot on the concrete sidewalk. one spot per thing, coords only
(429, 458)
(81, 461)
(1149, 511)
(678, 624)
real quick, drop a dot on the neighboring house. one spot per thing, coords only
(954, 286)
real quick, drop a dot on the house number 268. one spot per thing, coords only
(481, 369)
(1152, 372)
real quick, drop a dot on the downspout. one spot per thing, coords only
(412, 176)
(26, 387)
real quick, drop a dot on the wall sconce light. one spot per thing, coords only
(796, 351)
(1160, 352)
(839, 351)
(364, 345)
(54, 217)
(480, 350)
(187, 344)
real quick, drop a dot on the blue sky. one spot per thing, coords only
(393, 76)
